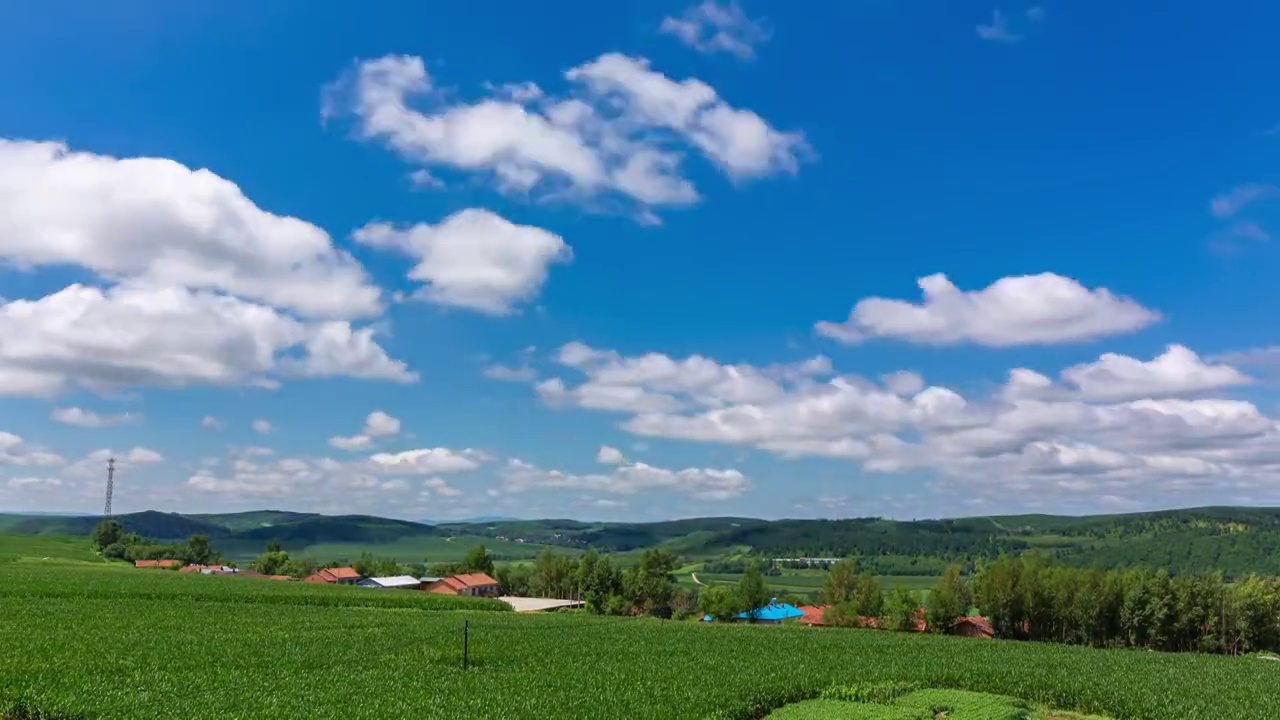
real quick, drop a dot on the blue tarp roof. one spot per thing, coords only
(774, 611)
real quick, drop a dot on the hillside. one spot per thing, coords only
(1235, 540)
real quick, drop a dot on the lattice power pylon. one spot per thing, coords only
(111, 483)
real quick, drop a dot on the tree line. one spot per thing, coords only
(110, 539)
(1034, 598)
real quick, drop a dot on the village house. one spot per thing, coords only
(399, 582)
(973, 626)
(470, 584)
(335, 576)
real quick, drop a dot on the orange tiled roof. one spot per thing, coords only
(475, 580)
(343, 573)
(812, 614)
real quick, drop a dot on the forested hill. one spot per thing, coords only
(1235, 540)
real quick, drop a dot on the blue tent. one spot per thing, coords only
(773, 612)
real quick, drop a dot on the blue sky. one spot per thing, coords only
(639, 260)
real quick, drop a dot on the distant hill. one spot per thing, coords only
(1235, 540)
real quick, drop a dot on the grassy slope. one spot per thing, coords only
(139, 653)
(424, 549)
(45, 548)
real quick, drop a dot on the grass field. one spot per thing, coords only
(925, 704)
(42, 548)
(111, 642)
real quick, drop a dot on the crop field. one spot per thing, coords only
(39, 548)
(427, 548)
(901, 703)
(101, 643)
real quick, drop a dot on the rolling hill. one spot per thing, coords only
(1235, 540)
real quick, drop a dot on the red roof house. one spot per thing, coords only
(972, 626)
(470, 584)
(335, 576)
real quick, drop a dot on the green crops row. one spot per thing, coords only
(147, 655)
(34, 582)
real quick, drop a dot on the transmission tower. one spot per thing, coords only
(111, 483)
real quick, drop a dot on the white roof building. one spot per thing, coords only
(395, 581)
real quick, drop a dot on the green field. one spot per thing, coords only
(113, 642)
(872, 703)
(23, 548)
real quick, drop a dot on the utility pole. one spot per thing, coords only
(111, 481)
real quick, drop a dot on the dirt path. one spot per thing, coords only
(696, 581)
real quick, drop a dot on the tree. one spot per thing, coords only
(651, 582)
(949, 600)
(477, 560)
(899, 611)
(721, 602)
(274, 546)
(598, 579)
(841, 584)
(199, 551)
(513, 580)
(554, 576)
(752, 591)
(108, 532)
(868, 599)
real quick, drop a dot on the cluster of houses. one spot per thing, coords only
(467, 584)
(815, 616)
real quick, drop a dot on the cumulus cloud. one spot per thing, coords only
(155, 219)
(1044, 309)
(711, 27)
(428, 461)
(89, 419)
(331, 483)
(473, 259)
(209, 422)
(15, 451)
(609, 455)
(1120, 426)
(1177, 371)
(262, 426)
(171, 337)
(377, 425)
(35, 483)
(698, 483)
(620, 134)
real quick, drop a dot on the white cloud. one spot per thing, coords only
(377, 425)
(141, 335)
(35, 483)
(998, 29)
(699, 483)
(519, 373)
(473, 259)
(210, 422)
(1115, 427)
(89, 419)
(158, 220)
(262, 427)
(1035, 14)
(609, 455)
(438, 486)
(710, 27)
(428, 461)
(1230, 203)
(621, 133)
(1177, 371)
(15, 451)
(94, 464)
(1044, 309)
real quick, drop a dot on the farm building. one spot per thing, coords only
(972, 626)
(157, 564)
(399, 582)
(774, 612)
(470, 584)
(337, 576)
(209, 569)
